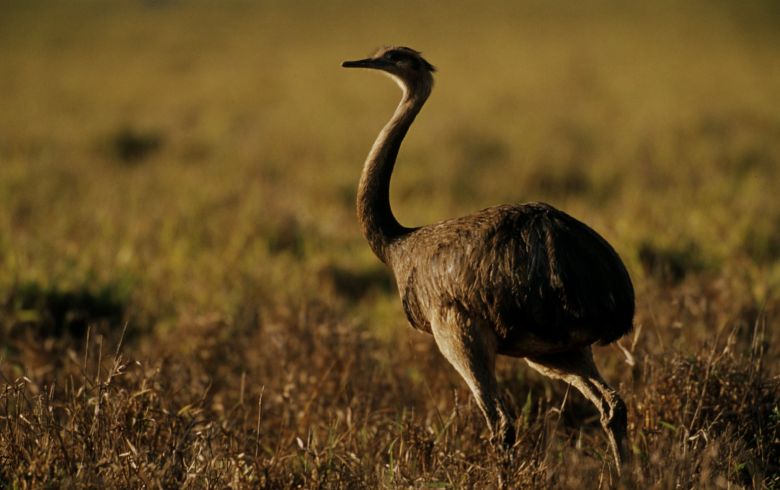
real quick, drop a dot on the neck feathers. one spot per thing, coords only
(376, 218)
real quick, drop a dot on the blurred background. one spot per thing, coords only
(188, 169)
(182, 152)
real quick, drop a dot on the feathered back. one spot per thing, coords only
(525, 269)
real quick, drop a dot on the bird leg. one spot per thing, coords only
(578, 369)
(470, 346)
(615, 421)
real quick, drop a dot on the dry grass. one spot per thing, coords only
(303, 399)
(186, 301)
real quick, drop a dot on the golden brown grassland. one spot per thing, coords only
(188, 170)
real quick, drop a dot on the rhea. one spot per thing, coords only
(521, 280)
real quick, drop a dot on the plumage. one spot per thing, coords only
(523, 280)
(513, 266)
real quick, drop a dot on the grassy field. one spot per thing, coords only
(186, 300)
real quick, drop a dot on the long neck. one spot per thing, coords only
(377, 222)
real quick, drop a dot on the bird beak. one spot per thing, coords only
(366, 63)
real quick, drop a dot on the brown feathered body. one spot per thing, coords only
(544, 280)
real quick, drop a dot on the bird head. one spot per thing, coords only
(403, 64)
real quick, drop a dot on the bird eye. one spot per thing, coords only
(391, 56)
